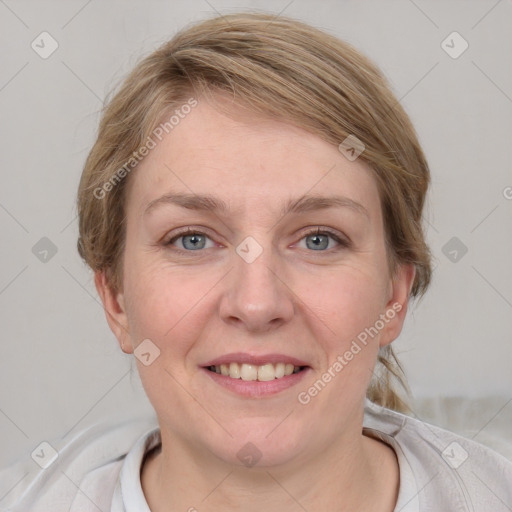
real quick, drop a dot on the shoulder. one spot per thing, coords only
(440, 468)
(83, 466)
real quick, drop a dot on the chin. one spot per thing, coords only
(262, 446)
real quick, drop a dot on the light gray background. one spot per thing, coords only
(61, 368)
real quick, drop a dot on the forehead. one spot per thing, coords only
(248, 162)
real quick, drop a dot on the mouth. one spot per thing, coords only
(251, 372)
(253, 376)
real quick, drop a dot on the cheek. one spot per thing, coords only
(166, 305)
(167, 308)
(345, 301)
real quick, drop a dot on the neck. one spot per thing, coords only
(356, 473)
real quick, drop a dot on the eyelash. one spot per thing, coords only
(343, 243)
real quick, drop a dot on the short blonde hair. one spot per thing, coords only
(284, 69)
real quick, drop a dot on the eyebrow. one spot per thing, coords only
(305, 203)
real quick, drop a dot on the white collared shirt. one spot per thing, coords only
(99, 469)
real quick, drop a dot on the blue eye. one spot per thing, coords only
(194, 242)
(191, 241)
(320, 240)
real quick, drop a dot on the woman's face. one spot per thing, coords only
(283, 262)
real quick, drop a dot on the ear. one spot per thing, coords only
(115, 312)
(396, 307)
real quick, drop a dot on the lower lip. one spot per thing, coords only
(256, 388)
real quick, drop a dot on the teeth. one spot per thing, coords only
(234, 370)
(266, 372)
(249, 372)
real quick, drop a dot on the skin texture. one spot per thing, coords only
(294, 300)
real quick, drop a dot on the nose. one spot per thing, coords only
(256, 295)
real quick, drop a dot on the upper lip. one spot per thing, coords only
(257, 360)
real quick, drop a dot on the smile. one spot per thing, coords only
(252, 372)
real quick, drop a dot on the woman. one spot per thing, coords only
(252, 212)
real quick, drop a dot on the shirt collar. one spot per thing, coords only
(128, 494)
